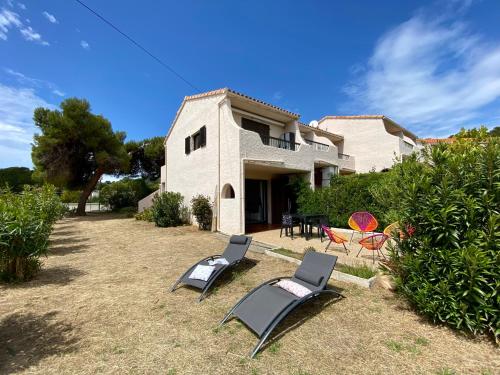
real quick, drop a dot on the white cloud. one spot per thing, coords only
(32, 36)
(431, 73)
(50, 17)
(22, 6)
(9, 19)
(16, 124)
(34, 82)
(58, 92)
(85, 45)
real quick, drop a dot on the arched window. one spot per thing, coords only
(227, 192)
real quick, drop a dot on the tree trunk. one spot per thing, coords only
(80, 211)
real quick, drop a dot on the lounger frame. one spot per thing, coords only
(282, 315)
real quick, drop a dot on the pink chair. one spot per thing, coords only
(363, 222)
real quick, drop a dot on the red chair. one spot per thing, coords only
(334, 237)
(362, 222)
(373, 243)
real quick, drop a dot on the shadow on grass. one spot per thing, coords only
(301, 315)
(64, 250)
(227, 277)
(28, 338)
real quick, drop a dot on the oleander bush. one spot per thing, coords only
(345, 195)
(26, 221)
(202, 210)
(448, 262)
(145, 215)
(168, 209)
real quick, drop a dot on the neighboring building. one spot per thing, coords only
(374, 140)
(241, 152)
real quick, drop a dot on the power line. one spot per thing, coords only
(137, 44)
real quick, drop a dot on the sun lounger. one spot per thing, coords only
(234, 254)
(268, 304)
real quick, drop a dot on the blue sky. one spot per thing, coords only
(431, 66)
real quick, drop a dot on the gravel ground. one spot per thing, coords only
(100, 305)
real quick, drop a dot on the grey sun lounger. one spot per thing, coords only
(263, 308)
(234, 254)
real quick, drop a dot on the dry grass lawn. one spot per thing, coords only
(100, 305)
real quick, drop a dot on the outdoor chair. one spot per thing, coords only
(263, 308)
(373, 243)
(334, 237)
(287, 223)
(319, 223)
(234, 254)
(362, 222)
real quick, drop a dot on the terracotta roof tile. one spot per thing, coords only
(228, 90)
(433, 141)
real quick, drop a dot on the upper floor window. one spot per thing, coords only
(196, 141)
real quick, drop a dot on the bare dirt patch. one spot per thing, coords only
(101, 305)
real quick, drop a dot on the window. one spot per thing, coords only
(197, 140)
(227, 192)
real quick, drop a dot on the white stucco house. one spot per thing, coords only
(242, 152)
(375, 140)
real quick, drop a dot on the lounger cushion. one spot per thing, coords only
(309, 276)
(260, 309)
(294, 288)
(238, 240)
(222, 261)
(202, 272)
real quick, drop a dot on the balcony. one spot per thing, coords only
(279, 143)
(344, 156)
(318, 146)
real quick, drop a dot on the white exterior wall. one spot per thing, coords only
(195, 173)
(367, 140)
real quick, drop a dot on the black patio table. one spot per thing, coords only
(306, 222)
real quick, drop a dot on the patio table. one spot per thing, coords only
(306, 221)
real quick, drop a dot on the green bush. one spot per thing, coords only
(202, 210)
(15, 178)
(146, 215)
(70, 196)
(167, 209)
(448, 263)
(124, 193)
(345, 195)
(26, 221)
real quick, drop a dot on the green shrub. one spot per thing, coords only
(70, 196)
(448, 264)
(146, 215)
(26, 221)
(345, 195)
(124, 193)
(202, 210)
(167, 209)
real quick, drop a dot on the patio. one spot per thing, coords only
(272, 238)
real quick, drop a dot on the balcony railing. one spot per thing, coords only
(318, 146)
(344, 156)
(279, 143)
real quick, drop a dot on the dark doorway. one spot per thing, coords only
(282, 198)
(255, 201)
